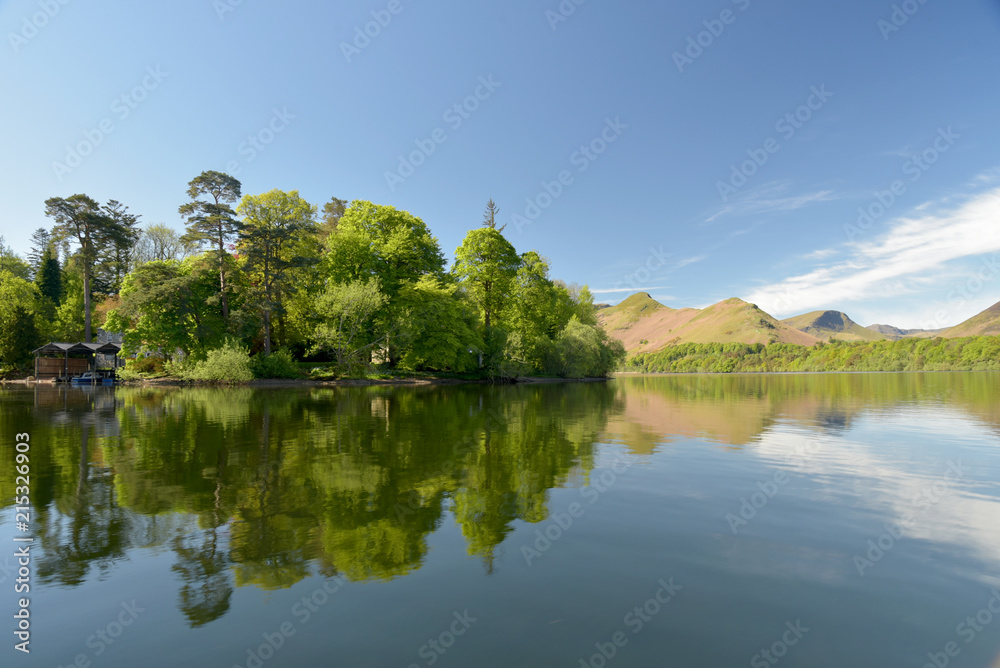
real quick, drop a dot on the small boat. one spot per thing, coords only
(94, 378)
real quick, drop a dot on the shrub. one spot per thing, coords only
(143, 364)
(228, 364)
(278, 364)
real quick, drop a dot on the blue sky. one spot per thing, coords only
(642, 208)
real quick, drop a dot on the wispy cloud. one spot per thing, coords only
(915, 249)
(690, 260)
(770, 198)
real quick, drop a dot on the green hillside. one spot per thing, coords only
(986, 323)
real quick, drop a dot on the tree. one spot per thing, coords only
(41, 239)
(213, 220)
(439, 330)
(18, 302)
(346, 321)
(11, 261)
(69, 319)
(586, 351)
(48, 278)
(272, 223)
(535, 313)
(381, 241)
(375, 241)
(333, 211)
(487, 263)
(118, 243)
(159, 242)
(490, 217)
(170, 305)
(79, 217)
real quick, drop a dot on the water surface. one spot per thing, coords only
(827, 520)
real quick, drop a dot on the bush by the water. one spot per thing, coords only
(228, 364)
(278, 364)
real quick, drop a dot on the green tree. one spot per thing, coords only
(486, 264)
(439, 331)
(170, 305)
(586, 351)
(10, 261)
(273, 222)
(18, 303)
(81, 219)
(41, 239)
(375, 241)
(115, 255)
(347, 321)
(330, 217)
(212, 220)
(48, 278)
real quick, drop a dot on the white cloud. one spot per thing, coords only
(914, 248)
(770, 198)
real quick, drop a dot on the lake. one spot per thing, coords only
(792, 520)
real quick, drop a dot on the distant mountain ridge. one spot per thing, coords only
(895, 333)
(826, 325)
(643, 324)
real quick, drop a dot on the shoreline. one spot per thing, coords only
(266, 383)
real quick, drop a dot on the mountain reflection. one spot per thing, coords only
(269, 487)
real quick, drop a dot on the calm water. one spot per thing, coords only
(844, 520)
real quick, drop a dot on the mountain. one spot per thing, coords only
(827, 325)
(895, 333)
(644, 325)
(986, 323)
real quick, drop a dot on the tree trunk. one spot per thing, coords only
(86, 303)
(222, 279)
(267, 308)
